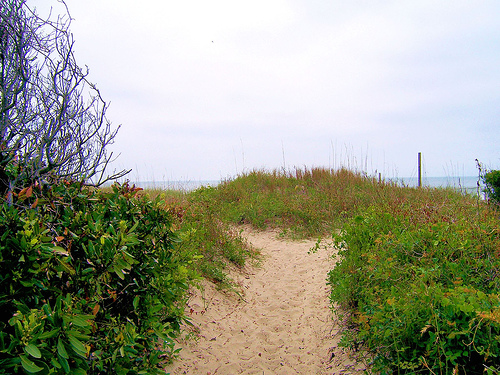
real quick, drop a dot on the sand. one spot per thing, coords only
(283, 323)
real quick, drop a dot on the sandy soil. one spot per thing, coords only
(282, 325)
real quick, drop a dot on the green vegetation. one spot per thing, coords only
(202, 230)
(420, 282)
(91, 282)
(492, 182)
(302, 203)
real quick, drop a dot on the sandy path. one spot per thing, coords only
(283, 325)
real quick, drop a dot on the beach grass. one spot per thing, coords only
(313, 202)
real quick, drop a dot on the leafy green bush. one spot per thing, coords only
(90, 282)
(492, 182)
(422, 288)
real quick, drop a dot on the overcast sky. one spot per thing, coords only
(206, 90)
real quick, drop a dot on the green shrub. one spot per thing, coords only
(90, 282)
(492, 182)
(422, 288)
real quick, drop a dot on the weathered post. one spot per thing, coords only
(419, 169)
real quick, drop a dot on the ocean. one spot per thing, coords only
(467, 183)
(174, 185)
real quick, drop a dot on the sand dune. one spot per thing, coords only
(282, 325)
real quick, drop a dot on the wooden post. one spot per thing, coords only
(419, 169)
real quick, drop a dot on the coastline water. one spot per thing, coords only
(465, 184)
(175, 185)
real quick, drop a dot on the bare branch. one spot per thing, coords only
(52, 118)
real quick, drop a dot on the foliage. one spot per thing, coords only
(421, 285)
(52, 118)
(492, 182)
(90, 282)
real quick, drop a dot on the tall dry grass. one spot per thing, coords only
(309, 202)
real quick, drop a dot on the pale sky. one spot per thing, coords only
(205, 90)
